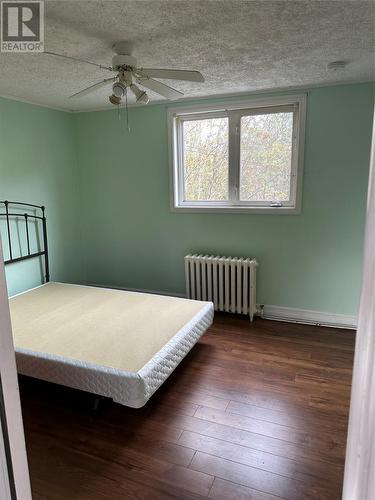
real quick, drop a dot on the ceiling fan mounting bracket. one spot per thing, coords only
(120, 61)
(122, 47)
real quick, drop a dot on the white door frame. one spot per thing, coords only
(14, 472)
(6, 476)
(359, 477)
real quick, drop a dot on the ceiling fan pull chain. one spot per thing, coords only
(127, 110)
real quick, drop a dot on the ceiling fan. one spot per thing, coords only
(129, 76)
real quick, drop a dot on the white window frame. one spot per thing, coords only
(234, 110)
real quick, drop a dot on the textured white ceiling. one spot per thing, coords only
(237, 45)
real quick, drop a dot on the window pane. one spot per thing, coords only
(206, 159)
(265, 157)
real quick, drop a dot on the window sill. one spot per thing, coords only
(237, 210)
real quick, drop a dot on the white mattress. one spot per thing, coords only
(130, 388)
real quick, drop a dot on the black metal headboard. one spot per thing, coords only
(38, 215)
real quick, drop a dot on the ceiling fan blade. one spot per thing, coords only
(92, 88)
(173, 74)
(160, 88)
(78, 60)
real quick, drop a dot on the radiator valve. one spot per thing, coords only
(260, 310)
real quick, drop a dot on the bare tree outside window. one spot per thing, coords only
(206, 159)
(266, 157)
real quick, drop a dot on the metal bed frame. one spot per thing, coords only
(39, 215)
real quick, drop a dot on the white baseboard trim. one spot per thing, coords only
(305, 316)
(276, 313)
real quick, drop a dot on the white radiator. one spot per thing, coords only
(230, 283)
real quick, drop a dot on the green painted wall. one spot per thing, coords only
(128, 237)
(38, 164)
(310, 261)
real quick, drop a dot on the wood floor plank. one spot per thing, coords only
(99, 462)
(287, 419)
(332, 453)
(88, 478)
(196, 398)
(228, 378)
(258, 479)
(269, 399)
(266, 461)
(251, 424)
(225, 490)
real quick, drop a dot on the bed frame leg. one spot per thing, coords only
(97, 403)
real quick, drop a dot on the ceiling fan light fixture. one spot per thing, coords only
(140, 95)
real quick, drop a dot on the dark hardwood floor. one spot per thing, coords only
(256, 411)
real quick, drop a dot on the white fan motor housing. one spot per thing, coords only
(120, 60)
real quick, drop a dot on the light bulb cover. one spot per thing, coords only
(118, 89)
(140, 95)
(143, 98)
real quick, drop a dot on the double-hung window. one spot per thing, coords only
(238, 157)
